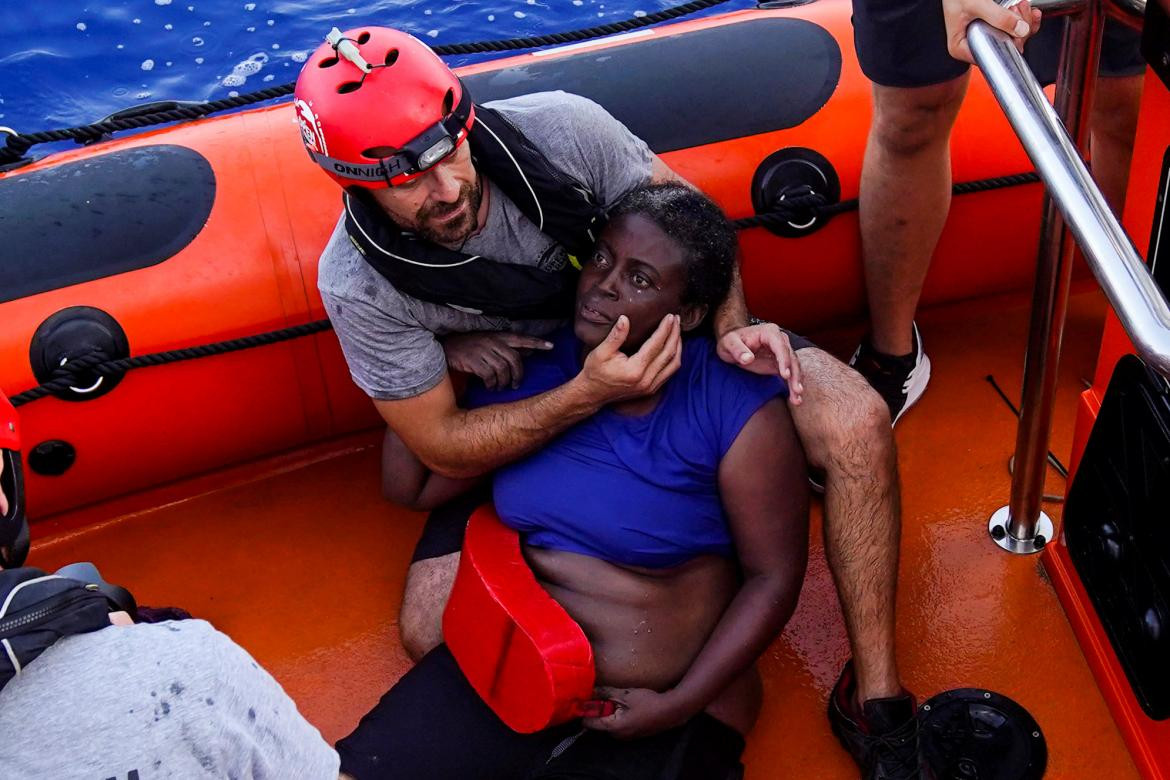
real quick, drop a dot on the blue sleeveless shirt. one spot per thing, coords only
(633, 490)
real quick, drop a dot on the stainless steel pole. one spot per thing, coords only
(1021, 527)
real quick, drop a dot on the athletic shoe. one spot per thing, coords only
(883, 738)
(900, 380)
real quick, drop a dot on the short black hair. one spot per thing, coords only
(700, 228)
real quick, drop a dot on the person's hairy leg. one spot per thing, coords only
(904, 198)
(1114, 122)
(428, 586)
(844, 427)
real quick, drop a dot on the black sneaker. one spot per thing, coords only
(900, 380)
(883, 738)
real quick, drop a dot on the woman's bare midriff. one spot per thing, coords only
(648, 625)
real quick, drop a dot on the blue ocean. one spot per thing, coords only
(70, 62)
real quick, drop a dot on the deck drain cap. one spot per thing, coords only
(973, 734)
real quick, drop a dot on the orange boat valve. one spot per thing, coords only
(798, 174)
(84, 336)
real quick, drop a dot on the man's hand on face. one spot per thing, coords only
(493, 357)
(763, 349)
(610, 375)
(1021, 21)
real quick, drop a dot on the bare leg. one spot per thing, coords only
(904, 198)
(845, 429)
(1114, 122)
(428, 586)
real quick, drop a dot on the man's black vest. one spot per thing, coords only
(563, 208)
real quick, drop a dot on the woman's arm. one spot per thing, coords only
(763, 480)
(407, 482)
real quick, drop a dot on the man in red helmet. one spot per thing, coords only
(457, 249)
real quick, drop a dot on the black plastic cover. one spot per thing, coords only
(695, 88)
(100, 216)
(1117, 527)
(974, 734)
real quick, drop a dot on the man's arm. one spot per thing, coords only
(764, 488)
(464, 443)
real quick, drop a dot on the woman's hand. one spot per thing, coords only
(639, 712)
(494, 357)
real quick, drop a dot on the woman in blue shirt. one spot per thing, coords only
(671, 527)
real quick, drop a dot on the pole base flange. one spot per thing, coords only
(997, 527)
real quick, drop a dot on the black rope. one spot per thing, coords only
(796, 208)
(98, 363)
(800, 209)
(19, 143)
(995, 183)
(803, 208)
(573, 36)
(1052, 459)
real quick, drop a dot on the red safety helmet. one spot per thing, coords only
(377, 108)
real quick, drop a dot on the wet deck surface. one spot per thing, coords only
(302, 563)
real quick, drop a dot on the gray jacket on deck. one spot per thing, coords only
(175, 699)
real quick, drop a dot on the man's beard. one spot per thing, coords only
(457, 231)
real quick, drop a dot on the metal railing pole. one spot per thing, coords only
(1021, 527)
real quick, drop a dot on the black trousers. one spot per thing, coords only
(433, 726)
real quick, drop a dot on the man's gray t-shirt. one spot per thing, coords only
(390, 338)
(175, 699)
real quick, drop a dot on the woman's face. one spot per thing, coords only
(636, 270)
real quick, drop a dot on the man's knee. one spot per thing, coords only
(908, 120)
(428, 586)
(843, 421)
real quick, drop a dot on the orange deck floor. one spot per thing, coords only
(302, 563)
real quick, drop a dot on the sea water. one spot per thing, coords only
(67, 62)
